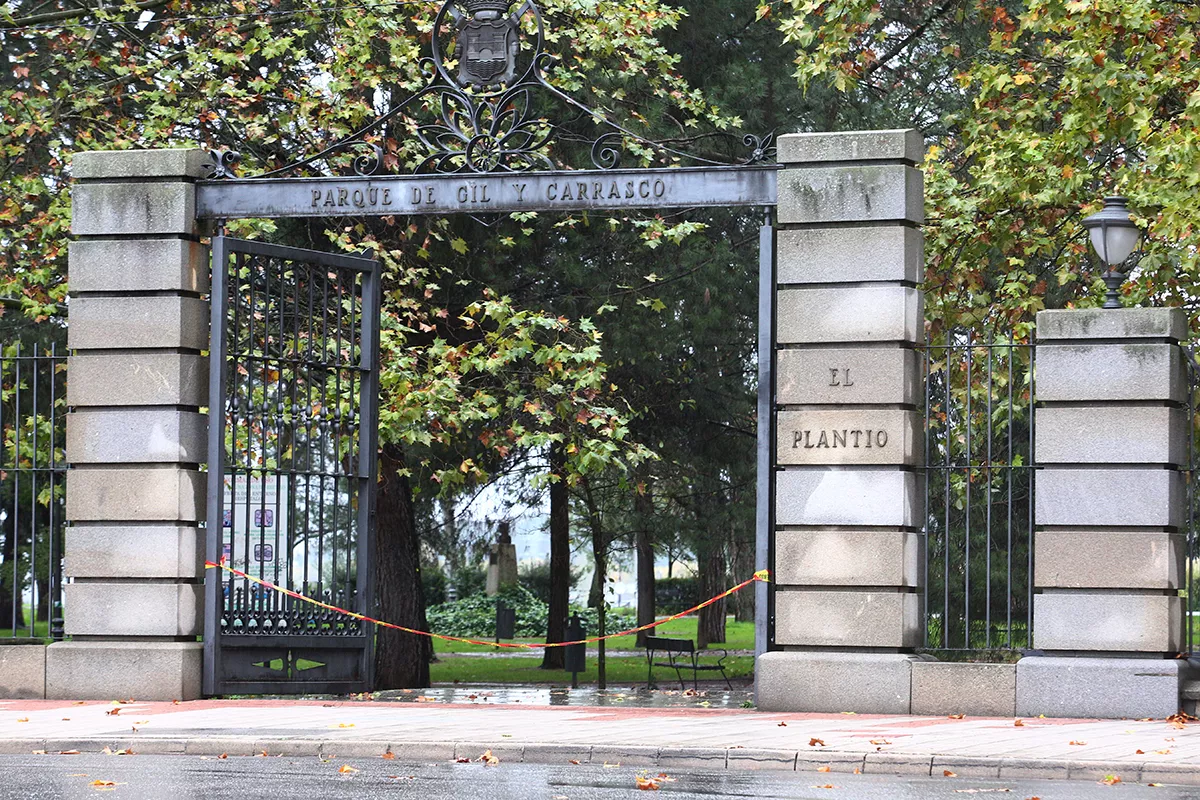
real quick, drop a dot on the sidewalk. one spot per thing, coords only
(706, 738)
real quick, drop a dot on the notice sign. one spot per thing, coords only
(255, 526)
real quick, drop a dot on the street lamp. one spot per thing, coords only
(1114, 237)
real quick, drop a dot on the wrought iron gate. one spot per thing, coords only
(979, 472)
(294, 418)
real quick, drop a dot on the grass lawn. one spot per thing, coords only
(627, 670)
(738, 636)
(41, 630)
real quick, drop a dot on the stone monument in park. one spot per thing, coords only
(502, 562)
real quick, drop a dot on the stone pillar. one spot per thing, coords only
(135, 437)
(847, 552)
(1109, 556)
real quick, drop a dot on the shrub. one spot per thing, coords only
(536, 578)
(673, 595)
(475, 616)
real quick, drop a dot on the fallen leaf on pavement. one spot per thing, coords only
(463, 760)
(488, 759)
(646, 784)
(66, 719)
(816, 743)
(880, 741)
(1163, 752)
(824, 769)
(957, 716)
(1139, 752)
(783, 724)
(389, 755)
(1111, 780)
(68, 752)
(575, 761)
(263, 754)
(1077, 744)
(142, 722)
(112, 712)
(23, 719)
(948, 774)
(39, 752)
(1154, 784)
(857, 771)
(1017, 723)
(346, 769)
(612, 766)
(825, 786)
(343, 725)
(223, 755)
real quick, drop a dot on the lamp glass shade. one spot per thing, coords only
(1115, 243)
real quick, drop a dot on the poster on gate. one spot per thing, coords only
(255, 526)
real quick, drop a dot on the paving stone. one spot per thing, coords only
(138, 436)
(965, 767)
(850, 255)
(1108, 622)
(1068, 559)
(137, 265)
(889, 145)
(879, 763)
(1111, 435)
(852, 193)
(1098, 688)
(137, 379)
(692, 757)
(1098, 771)
(133, 609)
(757, 758)
(847, 315)
(848, 618)
(1178, 774)
(847, 558)
(944, 688)
(848, 375)
(512, 752)
(629, 755)
(1112, 323)
(866, 683)
(850, 437)
(157, 163)
(165, 494)
(1034, 769)
(557, 753)
(133, 209)
(1114, 498)
(102, 670)
(137, 323)
(838, 761)
(1108, 372)
(850, 498)
(22, 671)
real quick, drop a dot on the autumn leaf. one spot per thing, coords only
(575, 761)
(346, 769)
(825, 786)
(783, 725)
(816, 743)
(825, 769)
(957, 716)
(1111, 780)
(68, 752)
(223, 755)
(1018, 723)
(389, 755)
(1139, 752)
(880, 741)
(949, 774)
(488, 759)
(1078, 744)
(646, 784)
(113, 712)
(23, 719)
(463, 761)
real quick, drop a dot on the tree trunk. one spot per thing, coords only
(560, 560)
(401, 659)
(596, 596)
(711, 625)
(743, 568)
(646, 605)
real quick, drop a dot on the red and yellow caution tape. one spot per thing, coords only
(762, 575)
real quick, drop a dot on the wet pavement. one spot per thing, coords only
(588, 697)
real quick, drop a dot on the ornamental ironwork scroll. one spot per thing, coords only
(485, 74)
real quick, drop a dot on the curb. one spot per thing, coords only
(732, 758)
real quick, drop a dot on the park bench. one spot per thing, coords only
(681, 655)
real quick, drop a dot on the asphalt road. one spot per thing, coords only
(140, 777)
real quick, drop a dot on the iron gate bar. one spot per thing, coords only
(357, 196)
(957, 429)
(246, 631)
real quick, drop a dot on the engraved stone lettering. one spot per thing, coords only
(520, 187)
(316, 197)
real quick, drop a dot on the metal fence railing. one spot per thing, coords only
(979, 423)
(32, 478)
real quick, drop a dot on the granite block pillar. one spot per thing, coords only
(1109, 555)
(847, 548)
(135, 434)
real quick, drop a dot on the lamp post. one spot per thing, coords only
(1114, 237)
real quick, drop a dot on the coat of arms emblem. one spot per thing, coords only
(487, 44)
